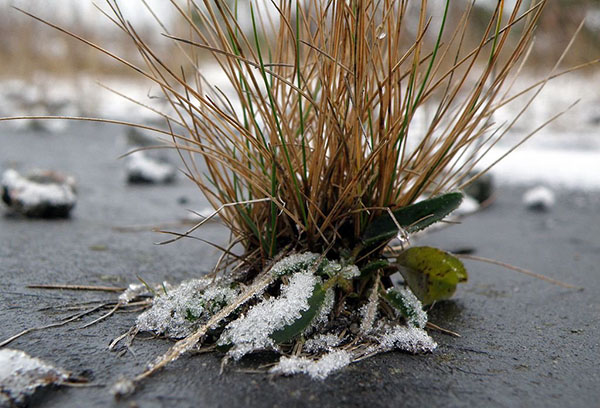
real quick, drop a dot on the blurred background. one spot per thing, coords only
(44, 72)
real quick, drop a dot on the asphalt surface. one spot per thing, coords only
(523, 341)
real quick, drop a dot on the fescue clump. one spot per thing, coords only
(346, 126)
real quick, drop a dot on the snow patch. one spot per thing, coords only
(316, 369)
(539, 198)
(252, 332)
(322, 342)
(143, 169)
(38, 193)
(560, 167)
(182, 309)
(21, 375)
(405, 338)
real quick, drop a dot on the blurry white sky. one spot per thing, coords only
(71, 11)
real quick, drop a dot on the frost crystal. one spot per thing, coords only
(294, 263)
(321, 342)
(369, 311)
(409, 339)
(252, 331)
(122, 388)
(350, 271)
(316, 369)
(133, 290)
(177, 313)
(326, 308)
(418, 317)
(21, 375)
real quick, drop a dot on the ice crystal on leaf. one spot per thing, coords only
(252, 331)
(294, 263)
(417, 316)
(177, 313)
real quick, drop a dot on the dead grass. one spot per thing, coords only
(322, 123)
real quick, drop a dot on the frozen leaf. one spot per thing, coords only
(293, 329)
(431, 273)
(294, 263)
(407, 305)
(254, 330)
(412, 218)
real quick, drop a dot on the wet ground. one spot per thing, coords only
(524, 342)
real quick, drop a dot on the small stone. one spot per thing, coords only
(539, 198)
(122, 388)
(40, 194)
(22, 375)
(482, 188)
(142, 169)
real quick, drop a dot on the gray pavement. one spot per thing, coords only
(524, 342)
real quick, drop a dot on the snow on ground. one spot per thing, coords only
(21, 375)
(560, 167)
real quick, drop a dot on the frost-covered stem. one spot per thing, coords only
(184, 345)
(371, 311)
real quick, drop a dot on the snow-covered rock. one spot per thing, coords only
(21, 375)
(42, 193)
(539, 198)
(146, 170)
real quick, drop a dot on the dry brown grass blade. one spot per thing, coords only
(77, 287)
(517, 269)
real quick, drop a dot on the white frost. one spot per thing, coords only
(140, 167)
(294, 263)
(252, 331)
(321, 342)
(405, 338)
(177, 313)
(419, 319)
(122, 387)
(21, 375)
(31, 194)
(133, 290)
(316, 369)
(539, 197)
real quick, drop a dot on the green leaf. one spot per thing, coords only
(374, 266)
(407, 305)
(412, 218)
(292, 330)
(431, 273)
